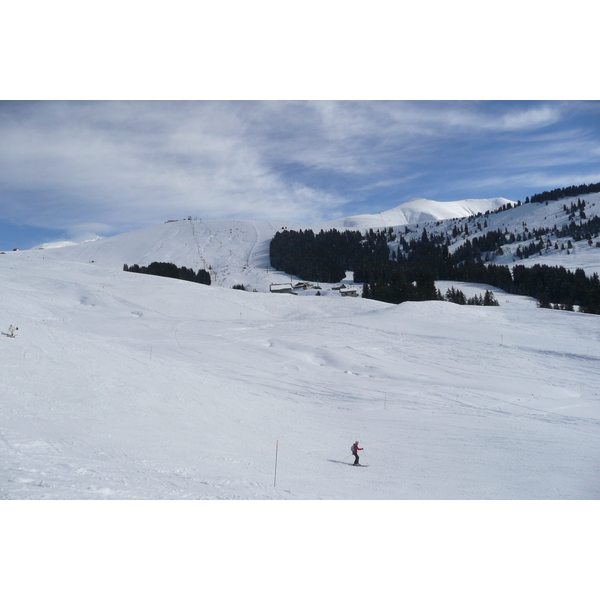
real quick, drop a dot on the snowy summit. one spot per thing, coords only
(418, 210)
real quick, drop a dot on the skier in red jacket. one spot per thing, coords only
(355, 450)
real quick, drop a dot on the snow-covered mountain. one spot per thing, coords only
(237, 252)
(122, 385)
(417, 210)
(233, 252)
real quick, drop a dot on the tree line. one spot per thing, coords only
(324, 256)
(565, 192)
(164, 269)
(458, 297)
(410, 274)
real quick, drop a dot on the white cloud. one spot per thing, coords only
(389, 183)
(541, 180)
(437, 118)
(531, 118)
(121, 163)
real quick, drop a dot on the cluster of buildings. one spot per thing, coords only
(294, 288)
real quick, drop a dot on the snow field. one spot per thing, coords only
(129, 386)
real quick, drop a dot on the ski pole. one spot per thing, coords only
(276, 449)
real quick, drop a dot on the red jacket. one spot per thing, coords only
(355, 448)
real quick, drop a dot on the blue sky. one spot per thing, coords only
(73, 169)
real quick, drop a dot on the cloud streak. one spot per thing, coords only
(141, 161)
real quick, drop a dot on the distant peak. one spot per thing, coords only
(416, 200)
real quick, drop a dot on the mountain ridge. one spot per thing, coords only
(417, 210)
(236, 252)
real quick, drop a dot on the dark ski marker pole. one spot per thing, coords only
(276, 449)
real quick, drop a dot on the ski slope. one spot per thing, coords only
(233, 252)
(127, 386)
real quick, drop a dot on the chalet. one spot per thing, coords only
(349, 292)
(281, 288)
(306, 285)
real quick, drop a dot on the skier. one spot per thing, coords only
(355, 450)
(12, 331)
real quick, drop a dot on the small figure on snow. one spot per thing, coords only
(355, 450)
(12, 331)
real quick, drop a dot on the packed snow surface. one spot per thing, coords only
(128, 386)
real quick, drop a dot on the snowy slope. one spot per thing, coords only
(537, 216)
(233, 252)
(121, 385)
(521, 220)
